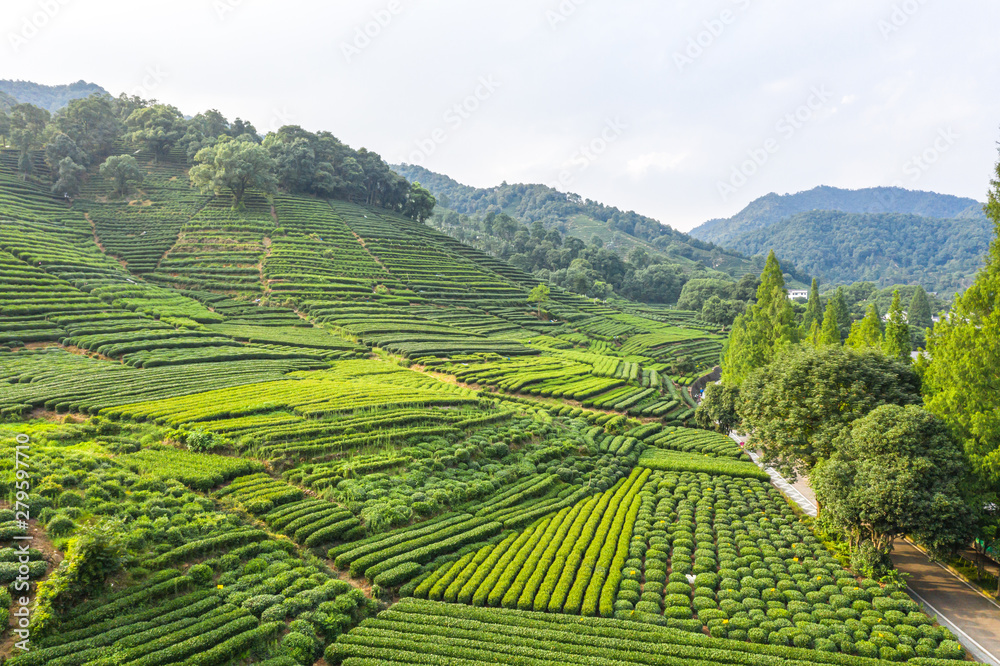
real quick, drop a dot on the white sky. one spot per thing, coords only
(897, 79)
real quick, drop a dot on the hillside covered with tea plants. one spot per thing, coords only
(305, 427)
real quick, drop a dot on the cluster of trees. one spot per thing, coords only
(590, 269)
(891, 447)
(943, 255)
(561, 211)
(229, 157)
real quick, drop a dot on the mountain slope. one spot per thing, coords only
(838, 247)
(52, 98)
(771, 208)
(575, 216)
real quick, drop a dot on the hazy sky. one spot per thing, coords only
(680, 110)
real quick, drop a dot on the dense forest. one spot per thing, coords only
(840, 248)
(225, 157)
(590, 269)
(50, 98)
(772, 208)
(573, 215)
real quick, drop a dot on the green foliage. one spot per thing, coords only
(419, 203)
(123, 172)
(157, 127)
(899, 472)
(52, 98)
(896, 343)
(887, 248)
(70, 177)
(94, 554)
(800, 407)
(961, 382)
(867, 333)
(814, 311)
(836, 320)
(576, 219)
(918, 314)
(764, 331)
(234, 165)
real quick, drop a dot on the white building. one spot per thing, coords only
(798, 293)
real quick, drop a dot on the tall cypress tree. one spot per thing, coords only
(897, 334)
(814, 309)
(768, 326)
(867, 333)
(832, 332)
(919, 312)
(962, 382)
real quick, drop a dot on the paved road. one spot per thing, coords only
(973, 617)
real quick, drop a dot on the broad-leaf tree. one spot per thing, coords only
(899, 472)
(69, 177)
(122, 171)
(800, 406)
(93, 124)
(419, 203)
(4, 127)
(540, 295)
(27, 124)
(718, 409)
(60, 147)
(234, 166)
(156, 127)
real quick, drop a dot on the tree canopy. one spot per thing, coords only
(234, 165)
(867, 333)
(963, 378)
(800, 406)
(123, 171)
(899, 472)
(763, 331)
(157, 127)
(896, 343)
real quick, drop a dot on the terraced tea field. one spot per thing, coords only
(313, 429)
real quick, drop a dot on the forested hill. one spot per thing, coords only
(575, 216)
(51, 98)
(772, 208)
(841, 248)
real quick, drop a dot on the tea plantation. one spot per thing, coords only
(312, 429)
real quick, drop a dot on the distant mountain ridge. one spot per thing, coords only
(51, 98)
(575, 216)
(943, 255)
(772, 208)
